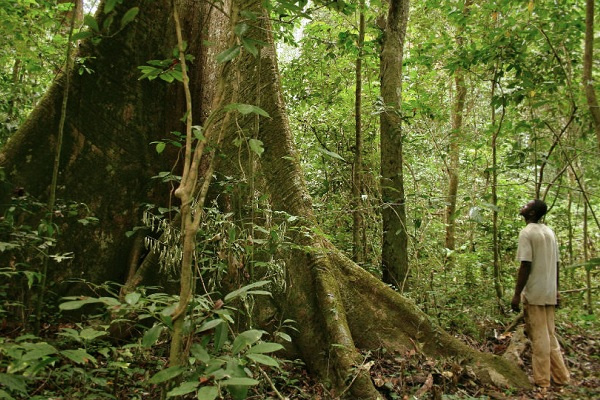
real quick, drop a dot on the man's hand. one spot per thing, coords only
(514, 304)
(557, 300)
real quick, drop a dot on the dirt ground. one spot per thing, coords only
(413, 376)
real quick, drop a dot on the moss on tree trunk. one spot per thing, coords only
(112, 117)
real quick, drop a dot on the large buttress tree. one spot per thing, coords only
(339, 308)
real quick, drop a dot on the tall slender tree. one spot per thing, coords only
(588, 60)
(358, 229)
(394, 252)
(455, 139)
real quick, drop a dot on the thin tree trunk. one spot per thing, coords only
(358, 229)
(495, 242)
(588, 271)
(50, 205)
(454, 151)
(394, 254)
(588, 60)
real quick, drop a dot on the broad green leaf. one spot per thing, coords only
(166, 374)
(167, 77)
(260, 292)
(109, 5)
(267, 347)
(107, 22)
(239, 382)
(178, 75)
(331, 154)
(81, 35)
(200, 353)
(160, 146)
(79, 356)
(90, 334)
(151, 336)
(284, 336)
(77, 304)
(133, 298)
(244, 290)
(110, 301)
(41, 365)
(210, 325)
(256, 146)
(129, 16)
(208, 393)
(221, 334)
(240, 29)
(246, 338)
(37, 350)
(184, 388)
(250, 46)
(228, 54)
(197, 131)
(264, 359)
(213, 366)
(246, 109)
(16, 383)
(91, 22)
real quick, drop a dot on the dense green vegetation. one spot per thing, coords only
(526, 132)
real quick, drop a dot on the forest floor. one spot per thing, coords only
(406, 376)
(413, 376)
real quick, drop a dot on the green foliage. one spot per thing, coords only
(169, 70)
(221, 362)
(31, 53)
(27, 236)
(95, 32)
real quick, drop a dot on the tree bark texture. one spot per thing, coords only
(395, 238)
(107, 159)
(588, 59)
(359, 237)
(339, 308)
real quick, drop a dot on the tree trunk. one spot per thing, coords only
(455, 139)
(497, 126)
(332, 300)
(112, 117)
(339, 308)
(358, 228)
(395, 238)
(588, 60)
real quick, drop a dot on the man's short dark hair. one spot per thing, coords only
(539, 208)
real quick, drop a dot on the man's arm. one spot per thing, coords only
(523, 275)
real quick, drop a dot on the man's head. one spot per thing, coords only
(534, 210)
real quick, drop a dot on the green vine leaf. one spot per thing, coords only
(166, 374)
(256, 146)
(110, 5)
(129, 16)
(91, 22)
(228, 54)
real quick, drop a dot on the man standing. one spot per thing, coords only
(537, 284)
